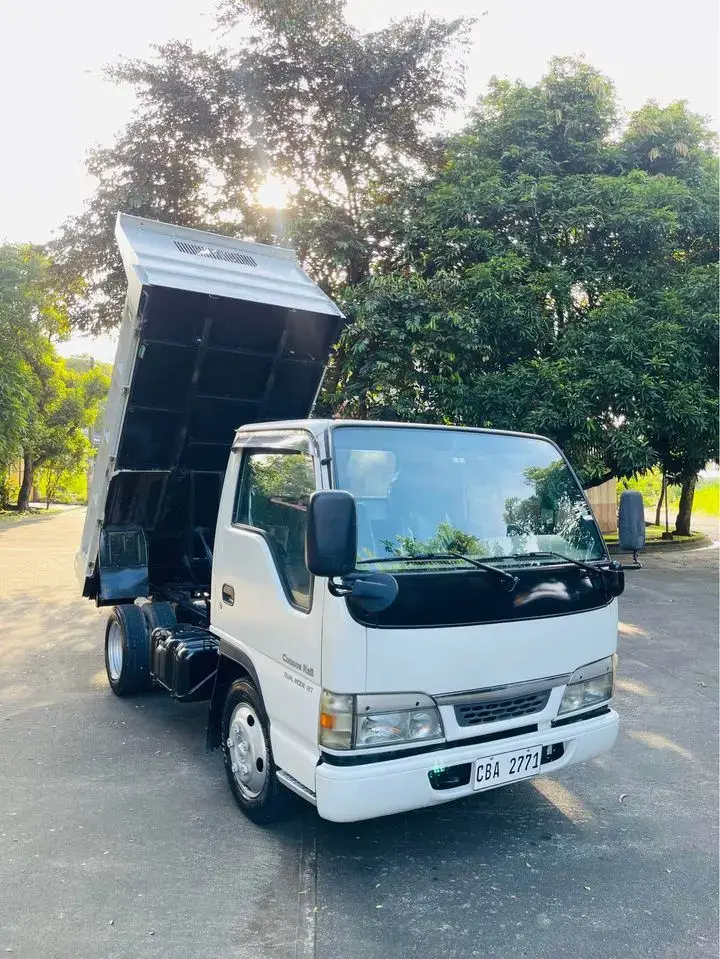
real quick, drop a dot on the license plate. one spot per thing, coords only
(506, 767)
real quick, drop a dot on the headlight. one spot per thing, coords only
(590, 685)
(377, 720)
(382, 729)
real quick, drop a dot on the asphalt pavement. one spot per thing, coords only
(119, 836)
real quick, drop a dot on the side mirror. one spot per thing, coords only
(331, 537)
(631, 522)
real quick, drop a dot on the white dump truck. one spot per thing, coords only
(381, 616)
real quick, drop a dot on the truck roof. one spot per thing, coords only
(318, 426)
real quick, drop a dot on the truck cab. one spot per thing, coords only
(465, 635)
(381, 616)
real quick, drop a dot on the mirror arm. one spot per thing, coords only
(338, 589)
(636, 564)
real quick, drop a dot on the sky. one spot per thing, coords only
(56, 105)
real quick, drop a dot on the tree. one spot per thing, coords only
(64, 464)
(669, 140)
(301, 95)
(64, 404)
(447, 539)
(547, 279)
(530, 272)
(161, 165)
(31, 311)
(43, 404)
(342, 112)
(684, 410)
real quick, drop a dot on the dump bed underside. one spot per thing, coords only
(205, 366)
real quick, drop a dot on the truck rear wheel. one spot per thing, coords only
(247, 752)
(127, 651)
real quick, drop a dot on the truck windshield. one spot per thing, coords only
(489, 496)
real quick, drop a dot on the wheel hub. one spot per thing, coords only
(115, 651)
(246, 751)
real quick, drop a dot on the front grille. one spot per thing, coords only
(494, 711)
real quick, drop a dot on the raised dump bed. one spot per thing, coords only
(216, 333)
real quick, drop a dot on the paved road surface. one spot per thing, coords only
(119, 838)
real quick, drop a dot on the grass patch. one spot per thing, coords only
(653, 534)
(17, 516)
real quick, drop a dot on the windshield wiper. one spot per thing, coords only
(538, 554)
(509, 580)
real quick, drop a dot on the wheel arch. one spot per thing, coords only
(233, 664)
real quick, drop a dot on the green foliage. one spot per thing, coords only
(558, 126)
(63, 477)
(707, 493)
(297, 93)
(31, 311)
(84, 362)
(447, 539)
(64, 404)
(546, 269)
(668, 140)
(707, 498)
(287, 476)
(546, 279)
(554, 508)
(649, 484)
(161, 165)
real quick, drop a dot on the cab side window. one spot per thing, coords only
(275, 488)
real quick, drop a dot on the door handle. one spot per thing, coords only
(228, 594)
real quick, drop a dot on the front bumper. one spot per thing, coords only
(351, 793)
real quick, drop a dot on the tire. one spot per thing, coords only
(158, 615)
(127, 651)
(256, 788)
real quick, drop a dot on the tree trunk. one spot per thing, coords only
(23, 501)
(663, 494)
(687, 494)
(326, 405)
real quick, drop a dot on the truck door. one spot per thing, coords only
(264, 601)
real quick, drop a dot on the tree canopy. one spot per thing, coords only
(31, 311)
(296, 92)
(44, 403)
(549, 268)
(547, 278)
(64, 404)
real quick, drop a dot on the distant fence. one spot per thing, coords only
(603, 500)
(15, 476)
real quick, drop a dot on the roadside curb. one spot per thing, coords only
(661, 545)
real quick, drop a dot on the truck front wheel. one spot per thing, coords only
(127, 651)
(248, 756)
